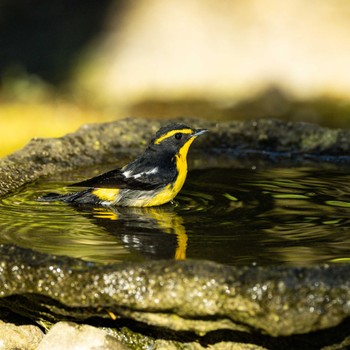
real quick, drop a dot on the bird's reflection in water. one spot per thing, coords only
(154, 232)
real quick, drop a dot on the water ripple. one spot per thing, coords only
(293, 216)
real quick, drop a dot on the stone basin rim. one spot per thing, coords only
(133, 290)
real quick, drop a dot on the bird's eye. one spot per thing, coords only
(178, 136)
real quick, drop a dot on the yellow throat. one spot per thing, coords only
(181, 166)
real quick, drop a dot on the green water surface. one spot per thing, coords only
(280, 215)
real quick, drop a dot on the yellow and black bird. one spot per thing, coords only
(153, 179)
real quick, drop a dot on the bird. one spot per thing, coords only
(152, 179)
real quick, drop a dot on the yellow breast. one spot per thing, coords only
(170, 191)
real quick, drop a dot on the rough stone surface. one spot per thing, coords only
(71, 336)
(196, 296)
(20, 337)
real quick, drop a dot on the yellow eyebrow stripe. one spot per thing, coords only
(171, 133)
(106, 194)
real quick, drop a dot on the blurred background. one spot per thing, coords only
(64, 63)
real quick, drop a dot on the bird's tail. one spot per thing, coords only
(52, 197)
(82, 197)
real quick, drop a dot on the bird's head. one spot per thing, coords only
(175, 137)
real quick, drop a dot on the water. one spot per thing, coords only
(293, 216)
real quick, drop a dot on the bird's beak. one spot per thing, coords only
(198, 132)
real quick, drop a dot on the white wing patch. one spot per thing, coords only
(129, 173)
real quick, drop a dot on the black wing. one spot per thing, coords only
(116, 179)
